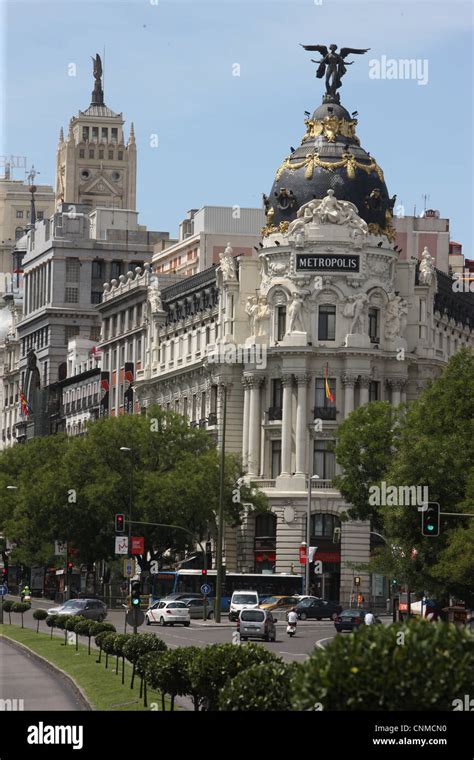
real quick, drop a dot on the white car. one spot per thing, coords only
(168, 612)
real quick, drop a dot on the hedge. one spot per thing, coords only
(260, 688)
(411, 667)
(140, 644)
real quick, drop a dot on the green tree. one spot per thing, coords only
(261, 688)
(365, 443)
(38, 615)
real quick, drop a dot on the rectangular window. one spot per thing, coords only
(189, 343)
(213, 399)
(373, 390)
(111, 154)
(105, 134)
(40, 215)
(101, 154)
(203, 405)
(96, 296)
(72, 270)
(82, 153)
(327, 322)
(171, 344)
(85, 134)
(281, 322)
(324, 460)
(277, 393)
(71, 295)
(19, 214)
(71, 331)
(95, 332)
(115, 270)
(276, 458)
(91, 153)
(194, 409)
(120, 155)
(374, 325)
(98, 270)
(114, 137)
(321, 399)
(185, 407)
(95, 133)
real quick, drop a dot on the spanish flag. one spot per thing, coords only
(25, 406)
(329, 394)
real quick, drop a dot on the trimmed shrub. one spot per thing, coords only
(140, 644)
(119, 643)
(259, 688)
(412, 667)
(51, 621)
(71, 625)
(99, 641)
(214, 665)
(108, 643)
(7, 607)
(61, 621)
(21, 607)
(169, 673)
(38, 615)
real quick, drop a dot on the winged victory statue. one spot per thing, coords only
(333, 65)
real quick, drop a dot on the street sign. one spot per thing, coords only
(3, 590)
(135, 618)
(121, 544)
(138, 545)
(129, 567)
(60, 548)
(303, 555)
(318, 567)
(205, 589)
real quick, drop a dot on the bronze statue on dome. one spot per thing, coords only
(333, 65)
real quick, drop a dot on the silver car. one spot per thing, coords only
(256, 624)
(196, 608)
(92, 609)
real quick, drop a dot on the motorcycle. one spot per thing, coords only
(25, 598)
(291, 629)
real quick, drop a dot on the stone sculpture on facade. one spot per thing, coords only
(356, 309)
(227, 264)
(262, 315)
(427, 267)
(154, 296)
(395, 318)
(251, 308)
(295, 314)
(328, 210)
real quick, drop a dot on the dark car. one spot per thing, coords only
(350, 620)
(318, 609)
(92, 609)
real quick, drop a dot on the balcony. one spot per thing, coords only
(263, 483)
(324, 412)
(212, 419)
(274, 413)
(203, 422)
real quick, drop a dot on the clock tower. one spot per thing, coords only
(94, 164)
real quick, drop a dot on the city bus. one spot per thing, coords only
(190, 581)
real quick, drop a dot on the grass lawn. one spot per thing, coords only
(102, 686)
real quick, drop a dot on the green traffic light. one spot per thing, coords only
(135, 602)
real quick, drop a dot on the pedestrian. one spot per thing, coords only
(369, 618)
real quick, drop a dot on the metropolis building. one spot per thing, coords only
(326, 296)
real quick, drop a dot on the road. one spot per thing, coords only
(201, 633)
(33, 685)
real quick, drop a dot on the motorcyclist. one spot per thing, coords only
(292, 617)
(25, 592)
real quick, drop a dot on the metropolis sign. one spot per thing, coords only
(326, 263)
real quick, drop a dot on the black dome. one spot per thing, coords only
(330, 156)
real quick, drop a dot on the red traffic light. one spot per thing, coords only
(203, 572)
(70, 566)
(119, 523)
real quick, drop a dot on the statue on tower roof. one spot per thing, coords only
(98, 93)
(333, 65)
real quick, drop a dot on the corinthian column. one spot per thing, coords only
(301, 422)
(255, 383)
(348, 382)
(364, 382)
(245, 434)
(396, 384)
(287, 383)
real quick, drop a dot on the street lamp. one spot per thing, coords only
(308, 528)
(220, 526)
(131, 452)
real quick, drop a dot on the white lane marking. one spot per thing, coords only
(318, 642)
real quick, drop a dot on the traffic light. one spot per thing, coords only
(430, 519)
(135, 595)
(119, 523)
(203, 572)
(4, 574)
(69, 568)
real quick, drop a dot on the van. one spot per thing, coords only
(242, 600)
(256, 624)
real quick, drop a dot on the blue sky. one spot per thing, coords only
(169, 68)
